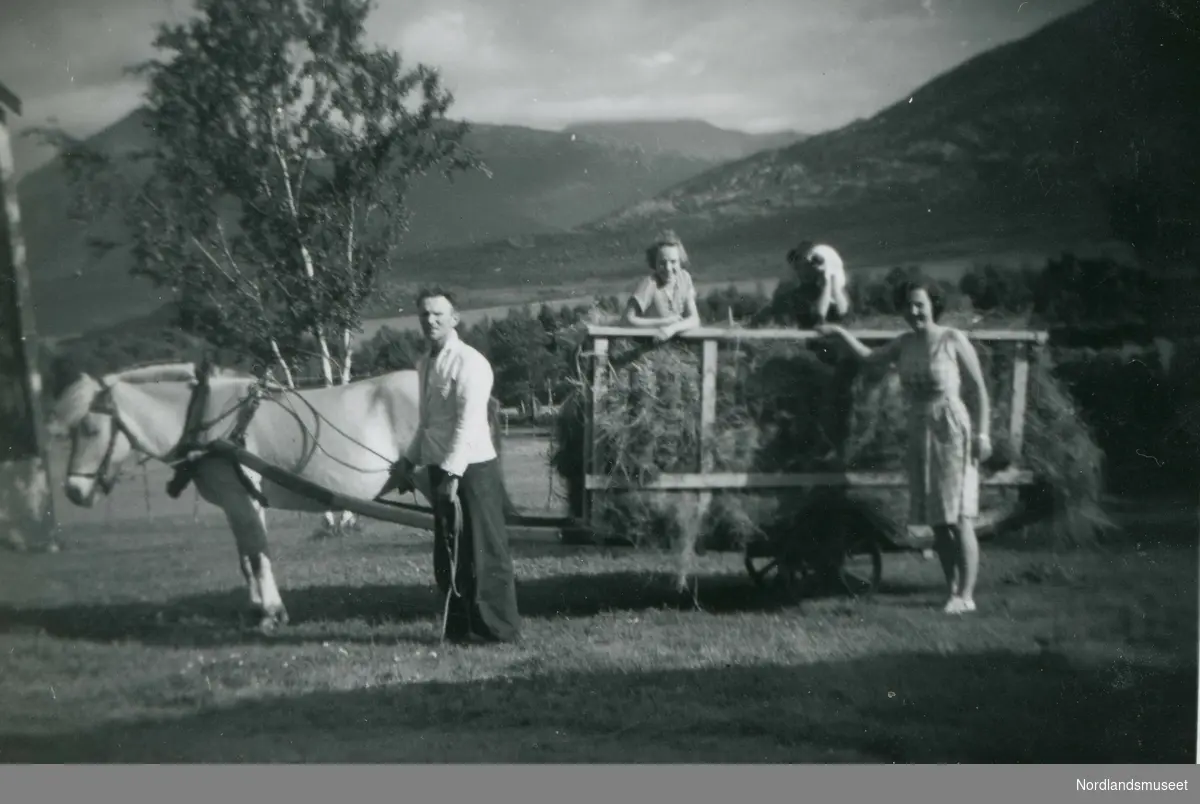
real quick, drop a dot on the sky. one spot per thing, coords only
(754, 65)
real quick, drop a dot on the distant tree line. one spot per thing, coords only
(1100, 314)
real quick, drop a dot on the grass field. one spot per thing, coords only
(126, 647)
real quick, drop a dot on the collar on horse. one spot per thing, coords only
(190, 451)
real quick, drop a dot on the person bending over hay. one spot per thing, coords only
(946, 443)
(817, 293)
(821, 264)
(666, 299)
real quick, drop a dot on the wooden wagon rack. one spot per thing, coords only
(703, 482)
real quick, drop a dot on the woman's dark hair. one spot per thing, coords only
(937, 299)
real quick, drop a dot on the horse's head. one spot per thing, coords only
(108, 419)
(99, 445)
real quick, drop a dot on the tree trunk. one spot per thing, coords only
(287, 372)
(347, 355)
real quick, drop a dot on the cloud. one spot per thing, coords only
(460, 42)
(662, 58)
(752, 63)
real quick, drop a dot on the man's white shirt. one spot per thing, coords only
(455, 389)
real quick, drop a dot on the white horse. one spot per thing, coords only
(344, 438)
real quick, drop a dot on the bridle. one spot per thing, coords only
(103, 405)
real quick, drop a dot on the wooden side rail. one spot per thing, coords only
(704, 481)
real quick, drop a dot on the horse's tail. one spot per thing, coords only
(510, 509)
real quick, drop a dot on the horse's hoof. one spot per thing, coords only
(273, 620)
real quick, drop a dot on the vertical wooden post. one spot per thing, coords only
(1020, 395)
(708, 420)
(592, 458)
(708, 403)
(26, 499)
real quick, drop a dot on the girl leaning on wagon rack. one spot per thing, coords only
(666, 299)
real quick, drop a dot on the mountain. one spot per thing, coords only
(542, 182)
(1078, 138)
(1042, 133)
(694, 138)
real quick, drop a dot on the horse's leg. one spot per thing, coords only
(217, 483)
(251, 534)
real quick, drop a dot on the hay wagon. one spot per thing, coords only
(846, 555)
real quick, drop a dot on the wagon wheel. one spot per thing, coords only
(855, 563)
(773, 567)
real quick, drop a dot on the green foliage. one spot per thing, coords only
(282, 151)
(995, 289)
(388, 351)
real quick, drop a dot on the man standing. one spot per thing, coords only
(454, 440)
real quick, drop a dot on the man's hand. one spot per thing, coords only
(400, 478)
(448, 489)
(983, 447)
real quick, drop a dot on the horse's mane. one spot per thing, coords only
(168, 372)
(75, 402)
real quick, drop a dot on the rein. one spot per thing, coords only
(452, 545)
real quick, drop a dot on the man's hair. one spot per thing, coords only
(433, 291)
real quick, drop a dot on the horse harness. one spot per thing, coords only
(196, 452)
(189, 453)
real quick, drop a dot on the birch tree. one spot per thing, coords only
(272, 193)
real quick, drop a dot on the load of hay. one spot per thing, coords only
(768, 419)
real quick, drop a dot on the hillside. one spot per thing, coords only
(542, 182)
(694, 138)
(1046, 126)
(1052, 143)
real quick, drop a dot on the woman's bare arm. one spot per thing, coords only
(872, 358)
(634, 318)
(972, 369)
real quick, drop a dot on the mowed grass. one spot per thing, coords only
(128, 646)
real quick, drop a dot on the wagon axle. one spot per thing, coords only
(839, 561)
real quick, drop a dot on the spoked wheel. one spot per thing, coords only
(856, 568)
(772, 568)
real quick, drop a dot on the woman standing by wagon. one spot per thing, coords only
(946, 440)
